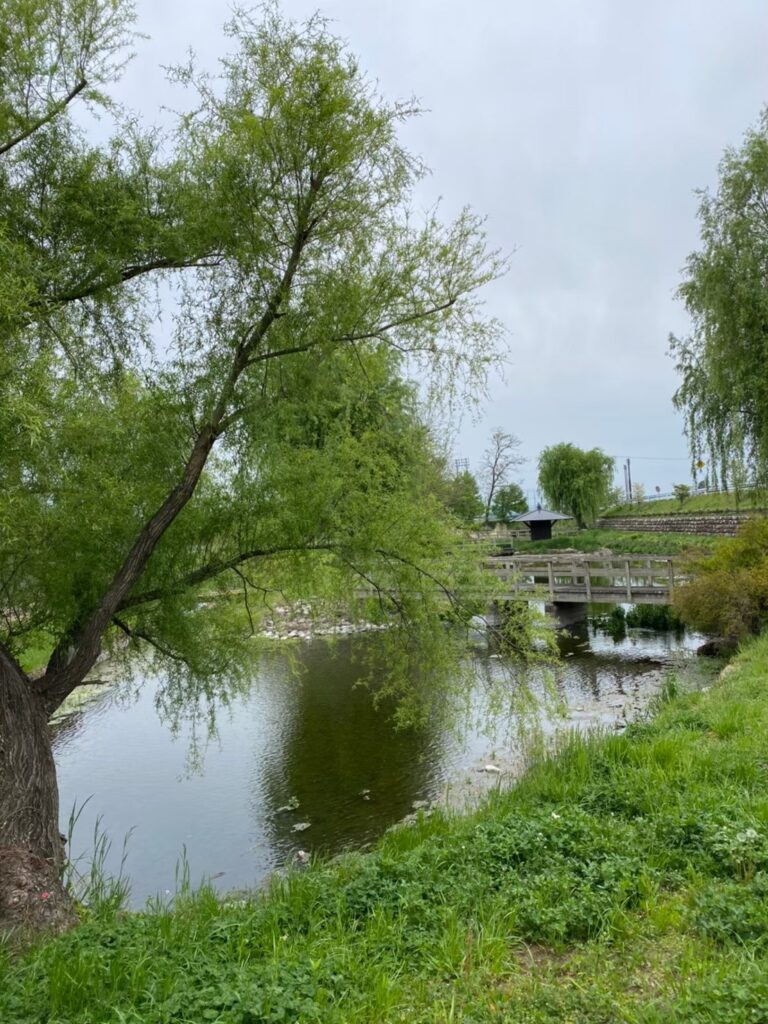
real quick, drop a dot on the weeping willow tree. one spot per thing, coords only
(576, 481)
(724, 389)
(266, 438)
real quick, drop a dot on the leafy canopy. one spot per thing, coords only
(265, 436)
(463, 497)
(724, 388)
(576, 481)
(509, 501)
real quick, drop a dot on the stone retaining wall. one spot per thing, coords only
(724, 523)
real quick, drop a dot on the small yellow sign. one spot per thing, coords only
(700, 464)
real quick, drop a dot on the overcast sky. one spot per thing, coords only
(580, 130)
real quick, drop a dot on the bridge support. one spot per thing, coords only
(567, 613)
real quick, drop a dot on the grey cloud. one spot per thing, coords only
(581, 130)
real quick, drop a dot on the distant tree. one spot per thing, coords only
(723, 361)
(499, 459)
(739, 480)
(576, 481)
(682, 492)
(638, 493)
(509, 501)
(616, 496)
(464, 497)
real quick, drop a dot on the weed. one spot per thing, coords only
(86, 877)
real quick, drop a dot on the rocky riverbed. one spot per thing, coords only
(300, 622)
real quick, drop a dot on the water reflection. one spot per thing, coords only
(311, 738)
(337, 757)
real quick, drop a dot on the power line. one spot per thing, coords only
(653, 458)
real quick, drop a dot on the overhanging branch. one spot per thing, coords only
(55, 110)
(213, 569)
(85, 291)
(139, 634)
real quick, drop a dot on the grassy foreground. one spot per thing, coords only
(625, 879)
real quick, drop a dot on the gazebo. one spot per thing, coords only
(539, 522)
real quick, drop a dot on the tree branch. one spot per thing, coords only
(139, 634)
(353, 337)
(380, 594)
(410, 318)
(85, 291)
(274, 354)
(211, 570)
(422, 572)
(53, 112)
(245, 598)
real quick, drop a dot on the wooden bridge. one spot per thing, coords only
(582, 579)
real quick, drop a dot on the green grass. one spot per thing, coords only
(726, 502)
(622, 542)
(624, 879)
(37, 651)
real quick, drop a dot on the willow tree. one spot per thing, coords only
(265, 437)
(576, 481)
(724, 389)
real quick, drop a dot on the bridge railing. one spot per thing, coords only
(574, 577)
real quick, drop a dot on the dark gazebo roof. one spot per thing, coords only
(540, 515)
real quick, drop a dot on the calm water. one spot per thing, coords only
(306, 737)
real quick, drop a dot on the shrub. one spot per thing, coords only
(728, 593)
(682, 492)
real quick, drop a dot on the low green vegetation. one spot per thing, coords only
(730, 501)
(727, 594)
(621, 542)
(641, 616)
(624, 879)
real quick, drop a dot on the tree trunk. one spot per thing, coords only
(31, 850)
(29, 798)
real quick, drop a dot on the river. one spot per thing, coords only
(303, 761)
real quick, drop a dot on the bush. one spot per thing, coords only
(682, 492)
(728, 594)
(653, 616)
(641, 616)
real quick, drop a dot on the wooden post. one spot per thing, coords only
(551, 576)
(588, 580)
(671, 571)
(628, 580)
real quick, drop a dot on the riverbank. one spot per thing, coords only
(624, 879)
